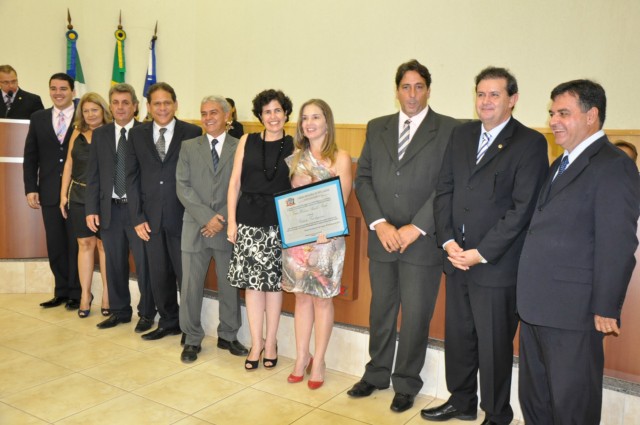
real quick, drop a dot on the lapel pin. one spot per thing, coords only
(500, 146)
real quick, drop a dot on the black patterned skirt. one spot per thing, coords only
(256, 262)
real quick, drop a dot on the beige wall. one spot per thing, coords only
(345, 51)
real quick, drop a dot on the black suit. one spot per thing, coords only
(492, 201)
(116, 230)
(577, 261)
(23, 106)
(44, 159)
(401, 192)
(151, 190)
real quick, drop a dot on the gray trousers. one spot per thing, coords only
(194, 270)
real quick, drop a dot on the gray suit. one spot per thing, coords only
(203, 192)
(401, 192)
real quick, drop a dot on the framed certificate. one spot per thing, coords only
(307, 211)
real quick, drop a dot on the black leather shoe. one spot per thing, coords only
(54, 302)
(144, 324)
(363, 389)
(72, 304)
(234, 347)
(160, 333)
(112, 321)
(190, 353)
(402, 402)
(446, 412)
(488, 422)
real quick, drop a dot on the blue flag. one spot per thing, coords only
(74, 67)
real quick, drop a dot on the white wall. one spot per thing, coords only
(344, 51)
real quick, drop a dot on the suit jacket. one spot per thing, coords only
(44, 158)
(101, 173)
(402, 191)
(578, 255)
(151, 182)
(493, 200)
(203, 191)
(23, 106)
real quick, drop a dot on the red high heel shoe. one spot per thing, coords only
(314, 385)
(294, 379)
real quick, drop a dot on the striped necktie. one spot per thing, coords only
(214, 154)
(61, 131)
(484, 145)
(404, 139)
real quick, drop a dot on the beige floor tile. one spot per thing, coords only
(253, 407)
(172, 352)
(11, 415)
(189, 391)
(84, 353)
(12, 278)
(12, 324)
(335, 383)
(63, 397)
(7, 354)
(124, 335)
(133, 371)
(127, 409)
(25, 371)
(86, 326)
(321, 417)
(29, 304)
(373, 409)
(41, 340)
(192, 421)
(232, 368)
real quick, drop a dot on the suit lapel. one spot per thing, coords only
(390, 137)
(204, 151)
(177, 138)
(501, 142)
(575, 168)
(472, 147)
(111, 140)
(425, 133)
(226, 156)
(148, 140)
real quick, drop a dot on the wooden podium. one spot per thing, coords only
(21, 228)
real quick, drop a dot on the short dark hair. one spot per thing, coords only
(7, 69)
(63, 77)
(413, 65)
(589, 93)
(492, 72)
(161, 86)
(265, 97)
(630, 146)
(123, 88)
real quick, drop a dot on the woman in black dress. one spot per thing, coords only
(259, 171)
(91, 113)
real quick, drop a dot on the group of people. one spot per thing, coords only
(176, 198)
(551, 248)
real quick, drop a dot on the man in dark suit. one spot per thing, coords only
(106, 209)
(203, 173)
(16, 103)
(576, 263)
(395, 184)
(487, 188)
(156, 212)
(45, 152)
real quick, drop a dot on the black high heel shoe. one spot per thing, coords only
(273, 362)
(250, 365)
(83, 314)
(105, 312)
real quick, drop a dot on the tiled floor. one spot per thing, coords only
(56, 368)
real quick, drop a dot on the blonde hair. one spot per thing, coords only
(301, 142)
(79, 122)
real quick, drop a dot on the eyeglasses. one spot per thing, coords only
(9, 83)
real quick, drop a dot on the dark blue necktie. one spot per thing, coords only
(214, 154)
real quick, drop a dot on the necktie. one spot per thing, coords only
(563, 165)
(404, 139)
(61, 131)
(8, 103)
(119, 184)
(214, 154)
(484, 145)
(161, 143)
